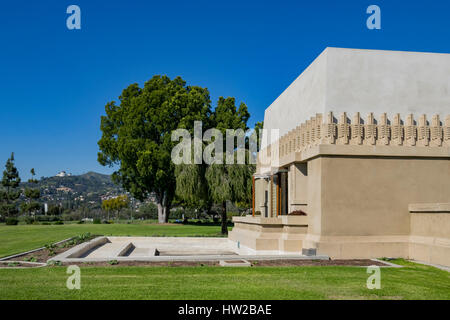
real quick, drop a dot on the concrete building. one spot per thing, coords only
(63, 174)
(355, 160)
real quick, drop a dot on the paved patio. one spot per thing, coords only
(168, 249)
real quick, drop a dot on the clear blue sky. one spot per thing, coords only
(55, 82)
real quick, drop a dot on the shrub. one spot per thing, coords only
(147, 211)
(175, 214)
(231, 214)
(44, 218)
(51, 249)
(84, 236)
(82, 222)
(54, 263)
(71, 216)
(58, 222)
(11, 221)
(45, 223)
(29, 220)
(31, 259)
(97, 221)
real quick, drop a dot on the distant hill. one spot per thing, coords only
(90, 188)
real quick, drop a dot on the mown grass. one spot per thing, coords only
(411, 282)
(16, 239)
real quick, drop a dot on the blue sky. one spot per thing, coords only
(55, 82)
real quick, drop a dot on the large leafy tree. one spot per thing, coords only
(11, 192)
(31, 206)
(136, 135)
(224, 182)
(228, 182)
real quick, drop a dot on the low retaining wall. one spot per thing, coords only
(430, 233)
(81, 249)
(283, 233)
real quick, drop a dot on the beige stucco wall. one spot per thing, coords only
(436, 225)
(362, 207)
(297, 187)
(260, 187)
(364, 203)
(430, 237)
(364, 196)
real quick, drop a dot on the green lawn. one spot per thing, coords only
(412, 282)
(16, 239)
(120, 282)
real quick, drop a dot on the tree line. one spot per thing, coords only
(11, 192)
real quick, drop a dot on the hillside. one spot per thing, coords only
(72, 191)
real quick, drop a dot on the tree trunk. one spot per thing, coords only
(163, 208)
(224, 218)
(161, 217)
(166, 213)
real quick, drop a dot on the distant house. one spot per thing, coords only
(64, 189)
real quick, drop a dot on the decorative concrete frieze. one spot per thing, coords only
(281, 147)
(313, 131)
(328, 130)
(318, 129)
(343, 129)
(383, 131)
(291, 141)
(357, 130)
(447, 132)
(410, 131)
(423, 132)
(308, 133)
(397, 131)
(323, 130)
(288, 144)
(436, 132)
(302, 136)
(298, 138)
(294, 139)
(370, 130)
